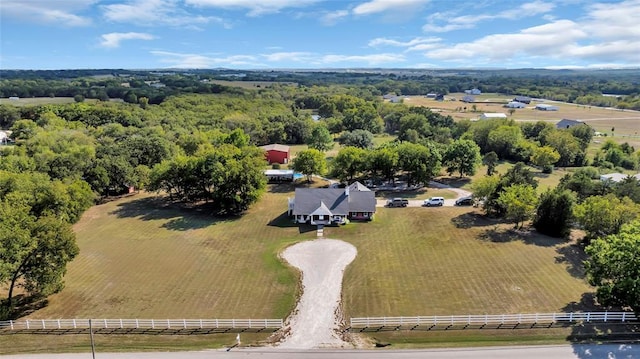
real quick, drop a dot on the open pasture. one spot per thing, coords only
(36, 101)
(251, 85)
(141, 258)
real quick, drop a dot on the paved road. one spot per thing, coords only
(418, 203)
(608, 351)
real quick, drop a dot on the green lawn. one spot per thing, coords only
(140, 257)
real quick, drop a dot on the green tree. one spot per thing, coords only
(420, 163)
(545, 157)
(348, 163)
(503, 140)
(555, 212)
(320, 139)
(310, 162)
(356, 138)
(614, 267)
(35, 251)
(520, 203)
(605, 215)
(462, 156)
(490, 160)
(383, 161)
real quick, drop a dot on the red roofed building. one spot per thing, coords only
(276, 153)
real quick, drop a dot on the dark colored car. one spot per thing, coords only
(464, 201)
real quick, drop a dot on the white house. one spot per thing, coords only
(617, 177)
(491, 115)
(473, 91)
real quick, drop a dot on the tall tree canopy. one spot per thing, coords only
(614, 267)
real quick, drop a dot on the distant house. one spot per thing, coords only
(566, 123)
(522, 99)
(276, 153)
(617, 177)
(396, 99)
(516, 104)
(431, 95)
(491, 115)
(473, 91)
(389, 96)
(4, 138)
(326, 206)
(439, 97)
(14, 98)
(316, 117)
(279, 175)
(545, 107)
(468, 99)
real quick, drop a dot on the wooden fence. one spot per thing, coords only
(141, 326)
(500, 321)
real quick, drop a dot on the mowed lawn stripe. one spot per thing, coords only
(415, 261)
(141, 258)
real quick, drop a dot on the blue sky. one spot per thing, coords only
(277, 34)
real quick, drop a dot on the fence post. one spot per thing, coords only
(153, 324)
(200, 323)
(168, 324)
(11, 324)
(605, 316)
(571, 317)
(59, 324)
(121, 326)
(588, 317)
(624, 315)
(184, 322)
(74, 324)
(137, 324)
(28, 324)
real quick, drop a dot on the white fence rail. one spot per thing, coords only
(468, 320)
(140, 324)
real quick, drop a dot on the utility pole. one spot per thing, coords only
(93, 348)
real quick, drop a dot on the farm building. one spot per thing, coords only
(617, 177)
(473, 91)
(325, 206)
(431, 95)
(515, 104)
(545, 107)
(492, 115)
(522, 99)
(276, 153)
(468, 99)
(4, 138)
(388, 96)
(279, 175)
(566, 123)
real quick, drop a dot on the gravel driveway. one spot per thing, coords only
(381, 202)
(316, 320)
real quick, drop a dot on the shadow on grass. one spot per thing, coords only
(573, 256)
(284, 221)
(284, 187)
(179, 216)
(472, 219)
(599, 332)
(454, 181)
(500, 234)
(23, 306)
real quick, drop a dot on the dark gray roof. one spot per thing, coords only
(308, 200)
(566, 123)
(357, 186)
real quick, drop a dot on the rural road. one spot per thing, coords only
(579, 351)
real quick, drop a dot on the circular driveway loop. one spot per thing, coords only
(316, 319)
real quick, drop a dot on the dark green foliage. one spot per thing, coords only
(554, 213)
(614, 267)
(490, 160)
(356, 138)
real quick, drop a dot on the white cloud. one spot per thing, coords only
(288, 56)
(59, 12)
(381, 41)
(333, 17)
(157, 13)
(446, 22)
(381, 6)
(113, 40)
(197, 61)
(255, 7)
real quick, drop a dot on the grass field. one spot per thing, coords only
(141, 258)
(36, 101)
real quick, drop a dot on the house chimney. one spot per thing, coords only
(346, 191)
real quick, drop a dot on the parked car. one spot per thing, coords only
(433, 202)
(397, 202)
(464, 201)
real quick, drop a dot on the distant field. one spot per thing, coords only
(36, 101)
(626, 123)
(251, 84)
